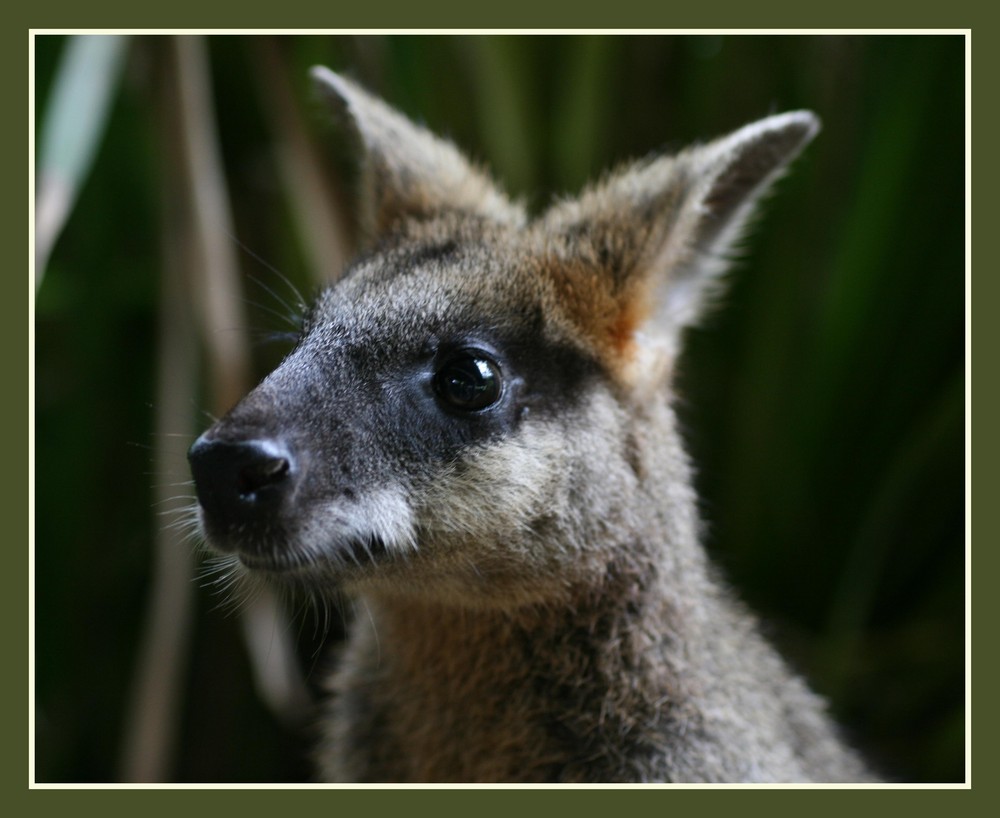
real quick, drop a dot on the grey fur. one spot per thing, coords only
(534, 600)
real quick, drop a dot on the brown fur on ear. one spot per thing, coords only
(605, 312)
(641, 253)
(409, 173)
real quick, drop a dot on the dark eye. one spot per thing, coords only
(468, 381)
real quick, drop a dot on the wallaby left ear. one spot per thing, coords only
(734, 172)
(663, 230)
(409, 173)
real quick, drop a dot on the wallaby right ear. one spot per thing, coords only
(410, 173)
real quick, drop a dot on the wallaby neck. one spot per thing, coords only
(641, 669)
(537, 694)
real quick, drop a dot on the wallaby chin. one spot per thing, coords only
(474, 435)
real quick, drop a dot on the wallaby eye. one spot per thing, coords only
(468, 381)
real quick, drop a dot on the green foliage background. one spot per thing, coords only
(824, 401)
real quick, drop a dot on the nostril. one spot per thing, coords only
(252, 477)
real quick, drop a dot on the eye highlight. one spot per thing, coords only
(468, 381)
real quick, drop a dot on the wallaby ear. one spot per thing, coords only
(409, 173)
(662, 231)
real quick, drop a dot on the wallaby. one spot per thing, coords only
(474, 440)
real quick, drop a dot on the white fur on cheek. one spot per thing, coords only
(382, 514)
(496, 490)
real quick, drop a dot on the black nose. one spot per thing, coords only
(243, 481)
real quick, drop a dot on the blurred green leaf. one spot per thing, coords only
(503, 103)
(75, 119)
(581, 110)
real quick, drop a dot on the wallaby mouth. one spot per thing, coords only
(289, 561)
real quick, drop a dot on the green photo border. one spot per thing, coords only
(17, 321)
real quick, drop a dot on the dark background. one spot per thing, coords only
(824, 402)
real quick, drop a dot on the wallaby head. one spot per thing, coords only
(477, 415)
(467, 409)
